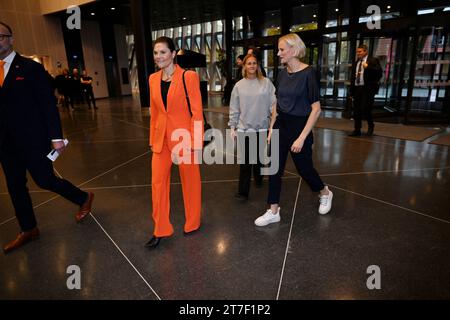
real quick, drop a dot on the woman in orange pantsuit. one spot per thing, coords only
(169, 111)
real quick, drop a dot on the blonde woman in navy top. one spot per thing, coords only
(298, 109)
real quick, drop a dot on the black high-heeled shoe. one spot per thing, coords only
(153, 242)
(191, 232)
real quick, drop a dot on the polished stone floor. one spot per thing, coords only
(391, 209)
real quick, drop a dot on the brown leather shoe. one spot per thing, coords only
(21, 239)
(85, 209)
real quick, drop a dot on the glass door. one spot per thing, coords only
(335, 69)
(390, 51)
(269, 60)
(431, 76)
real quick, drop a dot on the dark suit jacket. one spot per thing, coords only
(372, 75)
(29, 117)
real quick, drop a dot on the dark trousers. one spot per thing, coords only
(290, 128)
(245, 172)
(362, 106)
(68, 99)
(89, 96)
(15, 163)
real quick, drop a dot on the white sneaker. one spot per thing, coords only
(325, 202)
(268, 218)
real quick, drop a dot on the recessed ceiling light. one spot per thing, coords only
(113, 8)
(92, 14)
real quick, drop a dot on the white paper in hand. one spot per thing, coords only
(53, 155)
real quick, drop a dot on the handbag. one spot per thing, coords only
(206, 125)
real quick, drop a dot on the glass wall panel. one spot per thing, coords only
(389, 9)
(272, 23)
(432, 71)
(304, 17)
(335, 68)
(338, 13)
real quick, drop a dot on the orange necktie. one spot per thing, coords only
(2, 72)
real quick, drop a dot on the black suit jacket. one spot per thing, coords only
(372, 75)
(29, 117)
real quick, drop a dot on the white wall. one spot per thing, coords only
(122, 56)
(34, 34)
(52, 6)
(93, 57)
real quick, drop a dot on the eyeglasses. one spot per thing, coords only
(4, 36)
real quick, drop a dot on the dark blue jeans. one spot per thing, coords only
(290, 128)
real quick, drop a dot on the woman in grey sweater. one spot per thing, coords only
(252, 103)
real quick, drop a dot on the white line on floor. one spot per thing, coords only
(289, 240)
(126, 258)
(96, 177)
(59, 175)
(371, 172)
(391, 204)
(382, 171)
(109, 141)
(131, 123)
(293, 175)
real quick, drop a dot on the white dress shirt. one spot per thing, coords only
(8, 61)
(361, 76)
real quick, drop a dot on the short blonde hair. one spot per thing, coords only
(295, 42)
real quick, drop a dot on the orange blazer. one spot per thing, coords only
(163, 122)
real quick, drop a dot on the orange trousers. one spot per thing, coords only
(192, 193)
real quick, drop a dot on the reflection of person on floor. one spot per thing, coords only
(251, 104)
(75, 88)
(366, 74)
(87, 90)
(60, 83)
(169, 111)
(65, 88)
(29, 127)
(298, 109)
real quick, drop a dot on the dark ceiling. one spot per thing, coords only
(173, 13)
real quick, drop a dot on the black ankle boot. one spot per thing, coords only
(153, 242)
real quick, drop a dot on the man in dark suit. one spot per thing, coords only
(29, 127)
(366, 74)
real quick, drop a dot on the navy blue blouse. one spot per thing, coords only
(297, 91)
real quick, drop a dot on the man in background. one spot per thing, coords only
(366, 74)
